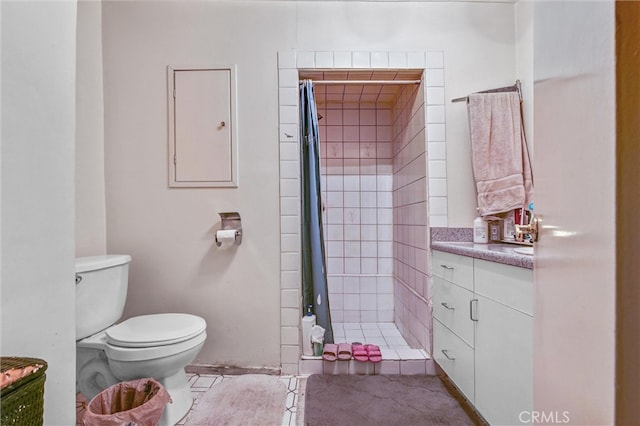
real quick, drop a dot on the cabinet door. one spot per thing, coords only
(503, 363)
(451, 307)
(455, 357)
(202, 128)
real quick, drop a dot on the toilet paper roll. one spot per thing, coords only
(226, 235)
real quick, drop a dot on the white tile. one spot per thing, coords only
(335, 367)
(397, 59)
(435, 114)
(437, 150)
(388, 367)
(438, 206)
(352, 266)
(438, 187)
(324, 60)
(352, 183)
(289, 188)
(289, 298)
(362, 368)
(410, 367)
(435, 96)
(436, 132)
(288, 78)
(434, 77)
(410, 354)
(368, 265)
(386, 315)
(289, 206)
(438, 221)
(352, 326)
(368, 302)
(385, 301)
(289, 262)
(286, 59)
(289, 151)
(379, 59)
(305, 60)
(352, 249)
(416, 59)
(368, 316)
(289, 242)
(289, 132)
(311, 366)
(288, 96)
(290, 224)
(435, 59)
(371, 332)
(342, 59)
(361, 60)
(437, 169)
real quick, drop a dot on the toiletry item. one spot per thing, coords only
(508, 227)
(308, 322)
(494, 230)
(480, 230)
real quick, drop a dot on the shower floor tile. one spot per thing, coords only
(383, 334)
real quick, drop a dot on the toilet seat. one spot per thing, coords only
(148, 337)
(155, 330)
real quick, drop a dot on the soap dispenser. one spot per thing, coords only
(308, 321)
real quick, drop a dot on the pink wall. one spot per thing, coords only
(410, 212)
(358, 221)
(374, 181)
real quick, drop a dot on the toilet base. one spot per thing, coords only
(182, 400)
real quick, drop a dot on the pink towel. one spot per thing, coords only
(500, 158)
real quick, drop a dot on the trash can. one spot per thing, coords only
(22, 396)
(139, 402)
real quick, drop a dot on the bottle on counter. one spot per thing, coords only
(480, 230)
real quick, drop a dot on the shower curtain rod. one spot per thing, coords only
(364, 81)
(515, 88)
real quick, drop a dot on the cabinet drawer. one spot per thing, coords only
(455, 357)
(506, 284)
(451, 307)
(454, 268)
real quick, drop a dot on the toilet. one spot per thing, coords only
(157, 345)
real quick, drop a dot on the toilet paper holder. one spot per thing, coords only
(230, 221)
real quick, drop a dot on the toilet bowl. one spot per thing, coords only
(157, 345)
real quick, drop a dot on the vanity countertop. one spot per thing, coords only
(493, 252)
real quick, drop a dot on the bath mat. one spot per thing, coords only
(381, 400)
(247, 400)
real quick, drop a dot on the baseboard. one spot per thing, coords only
(230, 370)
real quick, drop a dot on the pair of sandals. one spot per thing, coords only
(357, 351)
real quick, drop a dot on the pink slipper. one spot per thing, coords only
(373, 353)
(360, 352)
(344, 351)
(329, 352)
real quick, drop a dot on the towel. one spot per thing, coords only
(501, 164)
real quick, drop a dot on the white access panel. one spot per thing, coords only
(202, 127)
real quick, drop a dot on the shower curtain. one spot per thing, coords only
(314, 275)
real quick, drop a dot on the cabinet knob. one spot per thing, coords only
(222, 124)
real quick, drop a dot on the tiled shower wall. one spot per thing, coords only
(411, 265)
(357, 179)
(290, 280)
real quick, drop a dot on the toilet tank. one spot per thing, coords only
(101, 292)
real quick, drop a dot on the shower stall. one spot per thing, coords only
(373, 162)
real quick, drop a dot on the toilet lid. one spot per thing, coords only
(155, 330)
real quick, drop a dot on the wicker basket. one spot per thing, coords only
(22, 402)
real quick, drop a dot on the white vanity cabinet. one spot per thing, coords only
(485, 343)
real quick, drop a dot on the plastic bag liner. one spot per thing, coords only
(317, 334)
(137, 402)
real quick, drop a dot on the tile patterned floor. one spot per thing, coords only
(397, 356)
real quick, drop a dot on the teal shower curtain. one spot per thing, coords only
(314, 275)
